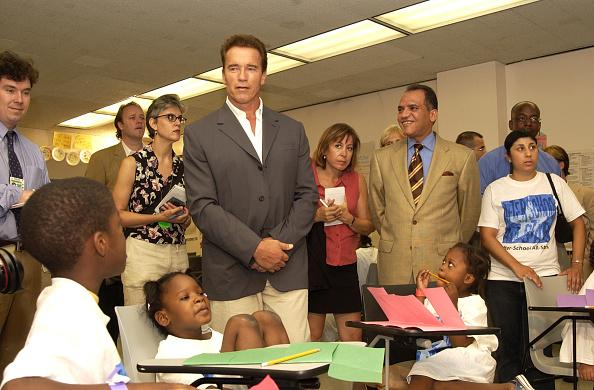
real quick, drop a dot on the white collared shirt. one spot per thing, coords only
(256, 136)
(127, 150)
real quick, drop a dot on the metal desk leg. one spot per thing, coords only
(573, 331)
(387, 340)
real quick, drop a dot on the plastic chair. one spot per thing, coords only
(140, 340)
(544, 327)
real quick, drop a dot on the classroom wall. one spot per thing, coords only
(563, 88)
(479, 98)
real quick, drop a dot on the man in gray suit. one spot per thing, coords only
(252, 194)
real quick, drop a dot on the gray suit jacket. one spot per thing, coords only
(235, 200)
(104, 165)
(415, 237)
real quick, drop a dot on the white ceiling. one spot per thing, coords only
(94, 53)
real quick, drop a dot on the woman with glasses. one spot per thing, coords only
(155, 242)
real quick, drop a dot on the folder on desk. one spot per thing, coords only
(574, 300)
(406, 311)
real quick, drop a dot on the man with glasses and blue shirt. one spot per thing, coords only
(22, 171)
(525, 116)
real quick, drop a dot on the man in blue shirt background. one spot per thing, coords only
(525, 116)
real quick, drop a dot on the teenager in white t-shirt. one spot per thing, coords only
(517, 227)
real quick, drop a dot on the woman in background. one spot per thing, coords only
(391, 134)
(155, 243)
(334, 286)
(585, 195)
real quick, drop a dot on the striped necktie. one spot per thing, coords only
(14, 167)
(415, 174)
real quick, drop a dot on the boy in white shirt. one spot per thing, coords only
(72, 227)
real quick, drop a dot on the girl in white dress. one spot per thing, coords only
(468, 364)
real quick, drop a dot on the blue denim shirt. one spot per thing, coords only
(494, 165)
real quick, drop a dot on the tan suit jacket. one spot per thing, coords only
(412, 238)
(104, 165)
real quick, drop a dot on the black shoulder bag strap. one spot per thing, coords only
(555, 193)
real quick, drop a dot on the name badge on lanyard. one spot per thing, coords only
(18, 182)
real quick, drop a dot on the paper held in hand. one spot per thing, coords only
(338, 194)
(176, 196)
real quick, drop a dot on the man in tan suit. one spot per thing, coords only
(105, 163)
(417, 231)
(104, 167)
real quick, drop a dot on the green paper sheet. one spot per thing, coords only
(261, 355)
(357, 364)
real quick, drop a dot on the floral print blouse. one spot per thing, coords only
(148, 190)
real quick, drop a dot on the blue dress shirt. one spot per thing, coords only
(34, 173)
(426, 153)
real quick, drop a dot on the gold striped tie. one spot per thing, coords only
(415, 174)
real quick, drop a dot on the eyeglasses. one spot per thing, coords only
(172, 118)
(532, 119)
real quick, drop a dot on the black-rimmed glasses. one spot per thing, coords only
(172, 118)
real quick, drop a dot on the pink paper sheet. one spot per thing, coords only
(408, 312)
(266, 384)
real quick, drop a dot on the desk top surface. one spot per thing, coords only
(283, 370)
(410, 332)
(580, 309)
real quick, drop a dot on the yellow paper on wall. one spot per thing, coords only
(83, 142)
(62, 140)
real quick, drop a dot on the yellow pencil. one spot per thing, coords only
(437, 277)
(290, 357)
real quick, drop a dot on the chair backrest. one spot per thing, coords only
(140, 340)
(373, 312)
(538, 321)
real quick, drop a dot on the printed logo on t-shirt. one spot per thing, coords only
(529, 219)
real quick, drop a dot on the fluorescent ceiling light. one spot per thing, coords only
(213, 75)
(185, 89)
(342, 40)
(276, 64)
(436, 13)
(113, 109)
(88, 120)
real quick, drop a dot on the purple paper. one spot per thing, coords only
(566, 300)
(589, 297)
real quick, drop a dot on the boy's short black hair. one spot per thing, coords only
(60, 217)
(478, 264)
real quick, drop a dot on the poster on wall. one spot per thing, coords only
(62, 140)
(581, 167)
(83, 142)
